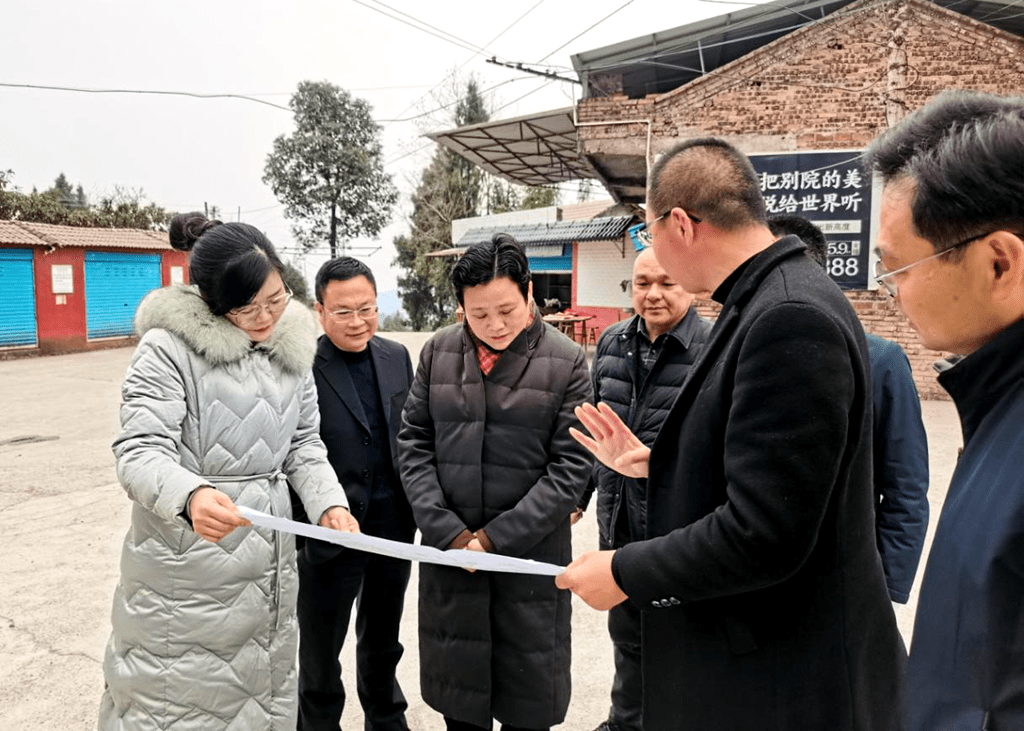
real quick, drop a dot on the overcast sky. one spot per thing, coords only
(184, 152)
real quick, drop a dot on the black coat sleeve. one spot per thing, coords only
(550, 500)
(417, 459)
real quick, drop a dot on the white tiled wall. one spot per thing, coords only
(601, 266)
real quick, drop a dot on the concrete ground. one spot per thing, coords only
(63, 517)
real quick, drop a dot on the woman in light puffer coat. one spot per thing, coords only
(218, 409)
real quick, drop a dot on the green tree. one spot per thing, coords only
(296, 282)
(329, 172)
(394, 322)
(450, 187)
(539, 196)
(69, 196)
(125, 208)
(502, 196)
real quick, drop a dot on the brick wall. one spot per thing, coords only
(825, 86)
(880, 316)
(832, 85)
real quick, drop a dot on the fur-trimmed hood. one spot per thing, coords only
(180, 309)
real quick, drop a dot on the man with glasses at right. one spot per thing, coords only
(362, 381)
(951, 248)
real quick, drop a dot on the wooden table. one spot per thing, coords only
(567, 324)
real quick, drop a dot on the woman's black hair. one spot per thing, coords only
(228, 262)
(502, 256)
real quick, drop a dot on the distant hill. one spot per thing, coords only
(389, 302)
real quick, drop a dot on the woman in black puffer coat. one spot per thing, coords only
(488, 464)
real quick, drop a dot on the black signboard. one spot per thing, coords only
(831, 190)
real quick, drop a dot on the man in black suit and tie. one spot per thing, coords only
(362, 382)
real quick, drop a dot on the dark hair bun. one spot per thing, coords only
(186, 228)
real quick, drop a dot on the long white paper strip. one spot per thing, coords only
(404, 551)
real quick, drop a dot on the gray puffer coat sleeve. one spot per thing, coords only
(307, 467)
(153, 409)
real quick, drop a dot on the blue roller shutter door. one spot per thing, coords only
(17, 298)
(549, 263)
(115, 283)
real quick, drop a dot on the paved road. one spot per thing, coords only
(63, 517)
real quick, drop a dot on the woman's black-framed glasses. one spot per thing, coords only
(641, 232)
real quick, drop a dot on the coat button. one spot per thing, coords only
(674, 602)
(666, 603)
(655, 603)
(366, 473)
(366, 440)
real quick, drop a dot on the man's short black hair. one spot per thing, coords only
(502, 256)
(962, 157)
(784, 224)
(340, 270)
(709, 178)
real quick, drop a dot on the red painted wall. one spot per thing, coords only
(59, 325)
(62, 327)
(173, 259)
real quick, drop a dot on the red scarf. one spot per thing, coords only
(487, 357)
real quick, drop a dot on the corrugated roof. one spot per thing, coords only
(47, 234)
(561, 232)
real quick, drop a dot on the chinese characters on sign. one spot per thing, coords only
(830, 189)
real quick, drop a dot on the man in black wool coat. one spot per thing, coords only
(763, 597)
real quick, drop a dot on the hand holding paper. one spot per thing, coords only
(590, 578)
(339, 518)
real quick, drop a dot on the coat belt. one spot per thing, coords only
(278, 542)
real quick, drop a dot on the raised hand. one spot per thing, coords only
(611, 441)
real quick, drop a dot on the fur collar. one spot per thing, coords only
(180, 310)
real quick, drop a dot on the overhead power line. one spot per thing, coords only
(450, 104)
(618, 9)
(467, 61)
(422, 25)
(145, 91)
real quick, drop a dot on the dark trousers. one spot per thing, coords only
(453, 725)
(326, 593)
(626, 713)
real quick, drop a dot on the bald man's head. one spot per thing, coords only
(657, 298)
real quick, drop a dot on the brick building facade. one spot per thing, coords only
(833, 84)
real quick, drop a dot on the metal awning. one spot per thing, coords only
(541, 149)
(610, 228)
(536, 149)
